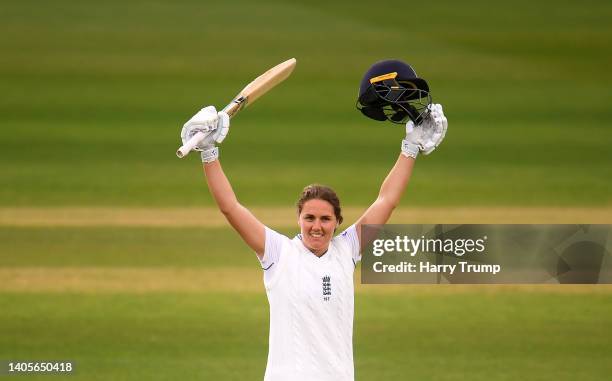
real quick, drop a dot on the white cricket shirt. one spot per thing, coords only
(311, 308)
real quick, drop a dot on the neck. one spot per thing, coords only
(318, 253)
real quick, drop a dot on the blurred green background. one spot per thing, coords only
(94, 95)
(93, 98)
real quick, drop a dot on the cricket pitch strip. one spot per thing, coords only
(275, 216)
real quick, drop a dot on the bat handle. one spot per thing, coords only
(191, 143)
(231, 109)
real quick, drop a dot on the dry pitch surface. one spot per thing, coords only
(211, 217)
(152, 280)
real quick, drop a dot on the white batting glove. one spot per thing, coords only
(215, 126)
(426, 136)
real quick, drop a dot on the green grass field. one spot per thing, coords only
(500, 336)
(93, 97)
(96, 93)
(129, 305)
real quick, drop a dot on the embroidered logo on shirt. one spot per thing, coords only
(326, 288)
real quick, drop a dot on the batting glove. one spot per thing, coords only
(427, 136)
(215, 126)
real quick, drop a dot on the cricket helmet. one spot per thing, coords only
(391, 90)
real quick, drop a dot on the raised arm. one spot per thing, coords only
(390, 192)
(215, 126)
(424, 138)
(242, 220)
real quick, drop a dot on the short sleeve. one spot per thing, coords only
(273, 246)
(349, 236)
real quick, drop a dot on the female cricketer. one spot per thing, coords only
(309, 279)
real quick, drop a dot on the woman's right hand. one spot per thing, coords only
(213, 125)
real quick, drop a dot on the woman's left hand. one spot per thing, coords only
(428, 135)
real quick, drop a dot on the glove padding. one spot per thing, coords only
(429, 134)
(212, 123)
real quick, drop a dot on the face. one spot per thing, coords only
(318, 223)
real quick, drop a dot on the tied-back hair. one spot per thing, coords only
(320, 192)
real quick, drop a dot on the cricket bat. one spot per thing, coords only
(251, 92)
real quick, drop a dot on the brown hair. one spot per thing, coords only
(320, 192)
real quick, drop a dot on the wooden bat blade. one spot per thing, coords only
(260, 85)
(268, 80)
